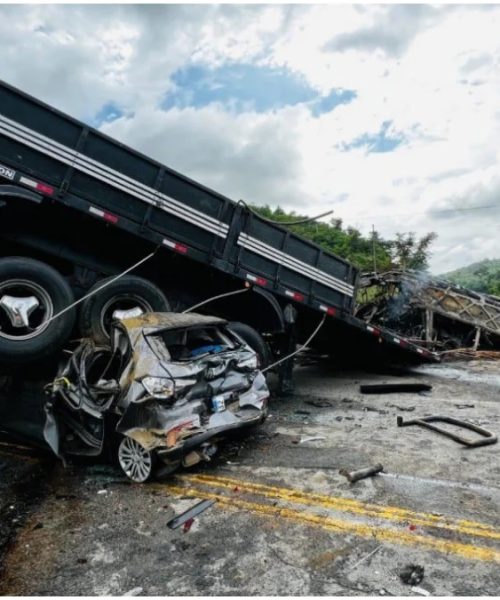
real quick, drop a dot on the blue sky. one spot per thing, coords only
(243, 87)
(108, 113)
(381, 141)
(374, 111)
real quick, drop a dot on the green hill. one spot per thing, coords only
(482, 276)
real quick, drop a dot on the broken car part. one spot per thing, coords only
(315, 438)
(487, 439)
(412, 574)
(361, 473)
(189, 514)
(394, 388)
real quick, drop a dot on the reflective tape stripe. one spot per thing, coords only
(296, 265)
(109, 176)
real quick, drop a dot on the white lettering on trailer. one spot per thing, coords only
(7, 173)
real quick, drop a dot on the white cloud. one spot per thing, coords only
(432, 72)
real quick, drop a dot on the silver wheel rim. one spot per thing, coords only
(136, 461)
(122, 302)
(38, 319)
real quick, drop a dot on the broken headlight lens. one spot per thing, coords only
(159, 387)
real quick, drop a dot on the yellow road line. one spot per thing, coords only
(390, 513)
(467, 551)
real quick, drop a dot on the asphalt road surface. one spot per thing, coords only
(285, 522)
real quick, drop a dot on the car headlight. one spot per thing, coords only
(159, 387)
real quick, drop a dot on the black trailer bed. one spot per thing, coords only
(67, 162)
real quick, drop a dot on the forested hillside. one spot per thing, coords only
(483, 276)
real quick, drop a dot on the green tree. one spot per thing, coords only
(409, 252)
(349, 243)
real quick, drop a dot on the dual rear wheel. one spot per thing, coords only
(36, 313)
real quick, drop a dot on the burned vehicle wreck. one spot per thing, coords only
(161, 395)
(429, 311)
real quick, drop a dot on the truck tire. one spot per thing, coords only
(128, 292)
(253, 338)
(31, 293)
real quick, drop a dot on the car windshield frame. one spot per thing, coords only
(161, 350)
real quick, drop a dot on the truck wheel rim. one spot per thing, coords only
(38, 316)
(123, 302)
(135, 461)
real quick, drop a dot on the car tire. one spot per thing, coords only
(253, 338)
(22, 277)
(96, 313)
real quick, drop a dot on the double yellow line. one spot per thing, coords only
(216, 488)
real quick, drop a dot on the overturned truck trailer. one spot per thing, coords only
(78, 208)
(430, 311)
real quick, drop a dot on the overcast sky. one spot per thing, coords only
(384, 114)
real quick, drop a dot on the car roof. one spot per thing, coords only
(161, 321)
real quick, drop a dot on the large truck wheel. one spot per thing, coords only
(31, 293)
(129, 293)
(253, 338)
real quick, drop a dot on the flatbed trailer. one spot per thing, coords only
(89, 207)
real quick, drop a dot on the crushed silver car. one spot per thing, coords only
(165, 391)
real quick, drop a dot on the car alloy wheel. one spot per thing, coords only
(135, 461)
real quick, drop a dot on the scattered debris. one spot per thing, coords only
(319, 402)
(421, 591)
(361, 473)
(189, 514)
(394, 388)
(365, 557)
(403, 408)
(487, 439)
(470, 354)
(137, 591)
(465, 405)
(374, 409)
(412, 574)
(309, 439)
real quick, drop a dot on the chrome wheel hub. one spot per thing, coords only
(136, 461)
(25, 309)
